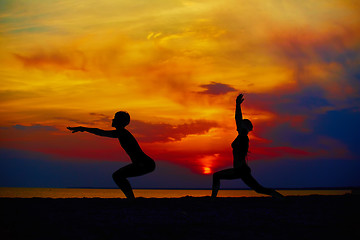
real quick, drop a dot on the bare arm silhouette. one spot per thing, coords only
(96, 131)
(238, 113)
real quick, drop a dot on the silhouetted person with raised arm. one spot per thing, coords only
(141, 163)
(240, 148)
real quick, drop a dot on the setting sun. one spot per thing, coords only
(206, 170)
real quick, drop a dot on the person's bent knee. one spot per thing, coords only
(117, 176)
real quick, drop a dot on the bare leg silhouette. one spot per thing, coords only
(245, 175)
(223, 174)
(252, 183)
(131, 170)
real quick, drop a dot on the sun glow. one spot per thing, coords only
(207, 162)
(206, 170)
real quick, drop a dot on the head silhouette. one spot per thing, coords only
(121, 119)
(246, 123)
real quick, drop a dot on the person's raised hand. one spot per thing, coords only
(240, 98)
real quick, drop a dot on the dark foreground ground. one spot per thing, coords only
(305, 217)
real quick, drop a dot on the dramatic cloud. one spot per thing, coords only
(323, 60)
(177, 67)
(150, 132)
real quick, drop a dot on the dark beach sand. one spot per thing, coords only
(300, 217)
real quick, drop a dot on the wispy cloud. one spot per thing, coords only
(36, 127)
(215, 88)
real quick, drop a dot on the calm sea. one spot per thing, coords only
(146, 193)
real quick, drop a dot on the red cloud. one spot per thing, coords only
(258, 153)
(154, 132)
(163, 132)
(85, 146)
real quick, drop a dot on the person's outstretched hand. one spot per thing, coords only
(240, 98)
(76, 129)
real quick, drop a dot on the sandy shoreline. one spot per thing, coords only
(303, 217)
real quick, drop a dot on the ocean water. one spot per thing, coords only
(146, 193)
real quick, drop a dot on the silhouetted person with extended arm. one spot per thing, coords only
(141, 163)
(240, 149)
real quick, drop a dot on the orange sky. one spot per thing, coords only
(176, 67)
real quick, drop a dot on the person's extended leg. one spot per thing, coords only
(120, 176)
(252, 183)
(223, 174)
